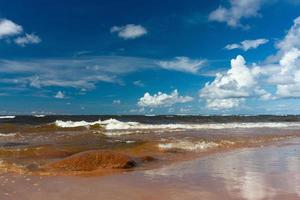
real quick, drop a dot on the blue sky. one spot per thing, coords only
(150, 57)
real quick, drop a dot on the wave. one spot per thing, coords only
(188, 146)
(113, 124)
(39, 115)
(110, 124)
(8, 135)
(7, 117)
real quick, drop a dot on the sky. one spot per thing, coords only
(213, 57)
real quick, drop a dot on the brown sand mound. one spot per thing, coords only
(92, 160)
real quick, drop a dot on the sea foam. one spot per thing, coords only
(8, 135)
(113, 124)
(188, 146)
(7, 117)
(39, 116)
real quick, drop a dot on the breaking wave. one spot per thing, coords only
(8, 135)
(7, 117)
(39, 116)
(110, 124)
(113, 124)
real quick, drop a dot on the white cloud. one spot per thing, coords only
(183, 110)
(162, 99)
(183, 64)
(27, 39)
(129, 31)
(117, 101)
(291, 40)
(81, 72)
(223, 104)
(73, 73)
(238, 10)
(233, 84)
(287, 80)
(229, 90)
(247, 44)
(138, 83)
(287, 91)
(59, 95)
(140, 110)
(281, 73)
(9, 28)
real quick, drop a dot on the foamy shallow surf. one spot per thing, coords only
(8, 135)
(113, 124)
(187, 145)
(7, 117)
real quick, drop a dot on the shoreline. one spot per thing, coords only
(167, 180)
(146, 156)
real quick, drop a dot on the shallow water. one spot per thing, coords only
(29, 140)
(260, 173)
(271, 172)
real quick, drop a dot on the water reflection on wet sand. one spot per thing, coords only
(256, 173)
(261, 173)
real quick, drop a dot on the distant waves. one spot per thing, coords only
(7, 117)
(114, 125)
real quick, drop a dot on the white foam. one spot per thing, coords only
(112, 125)
(8, 135)
(39, 115)
(7, 117)
(71, 124)
(188, 146)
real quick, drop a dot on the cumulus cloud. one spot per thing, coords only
(162, 99)
(183, 64)
(287, 80)
(233, 84)
(240, 82)
(238, 10)
(129, 31)
(247, 44)
(27, 39)
(59, 95)
(9, 28)
(228, 90)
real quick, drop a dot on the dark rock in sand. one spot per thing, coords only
(92, 160)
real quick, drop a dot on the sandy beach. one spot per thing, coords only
(269, 172)
(149, 100)
(54, 158)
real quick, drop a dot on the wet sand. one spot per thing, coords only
(266, 172)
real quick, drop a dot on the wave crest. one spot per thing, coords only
(8, 134)
(7, 117)
(113, 124)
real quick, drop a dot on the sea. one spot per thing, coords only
(30, 142)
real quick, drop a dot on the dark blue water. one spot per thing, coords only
(161, 119)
